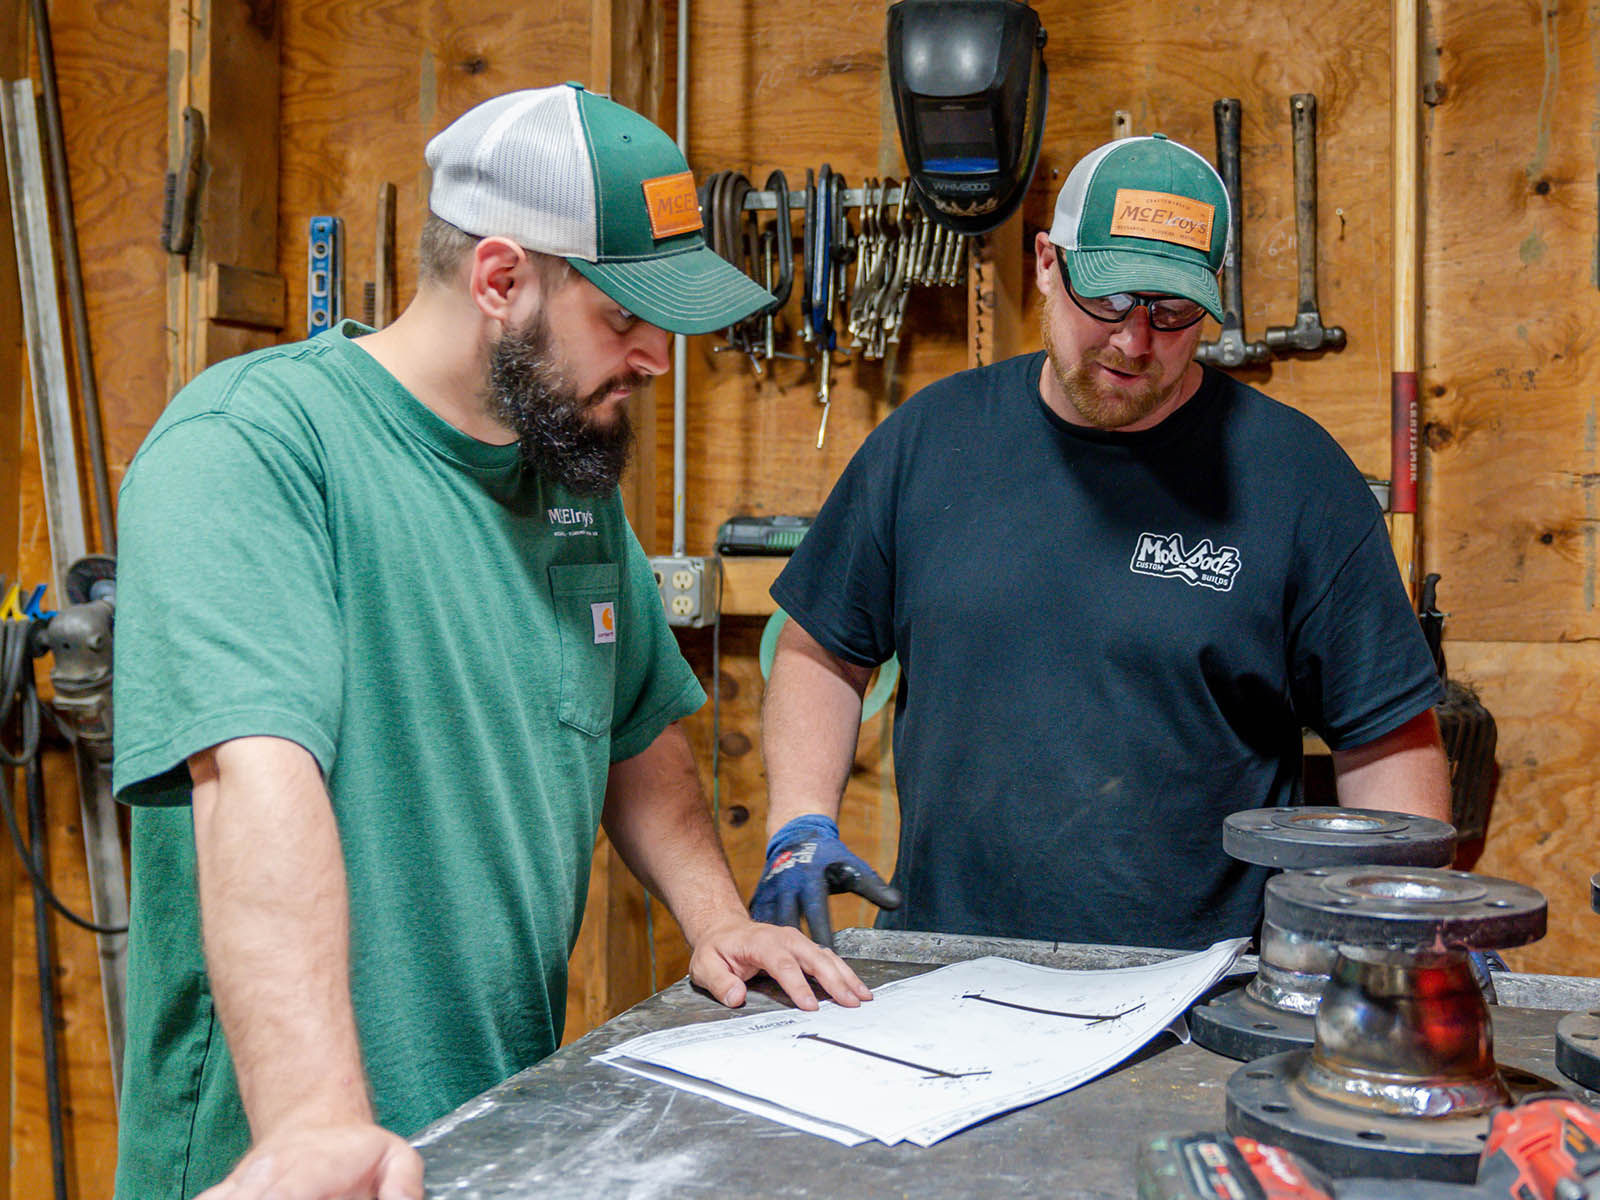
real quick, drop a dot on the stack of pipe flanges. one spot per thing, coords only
(1276, 1010)
(1400, 1080)
(1578, 1034)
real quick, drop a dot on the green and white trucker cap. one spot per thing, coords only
(1144, 214)
(567, 172)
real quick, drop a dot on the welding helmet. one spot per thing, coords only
(970, 86)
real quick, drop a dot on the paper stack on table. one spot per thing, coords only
(929, 1055)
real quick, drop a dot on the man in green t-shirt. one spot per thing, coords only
(388, 656)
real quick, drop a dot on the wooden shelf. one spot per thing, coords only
(745, 580)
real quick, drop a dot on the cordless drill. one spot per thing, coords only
(1547, 1148)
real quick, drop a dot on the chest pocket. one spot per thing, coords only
(585, 596)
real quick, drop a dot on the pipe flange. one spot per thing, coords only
(1407, 909)
(1334, 837)
(1578, 1048)
(1237, 1025)
(1265, 1101)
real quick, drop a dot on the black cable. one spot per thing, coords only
(16, 683)
(45, 958)
(716, 707)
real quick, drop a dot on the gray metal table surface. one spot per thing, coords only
(571, 1127)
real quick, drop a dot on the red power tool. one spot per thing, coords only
(1543, 1149)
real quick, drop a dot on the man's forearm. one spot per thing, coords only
(1402, 771)
(810, 723)
(275, 918)
(656, 817)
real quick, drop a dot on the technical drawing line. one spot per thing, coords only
(817, 1037)
(1092, 1018)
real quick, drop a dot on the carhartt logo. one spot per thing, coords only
(672, 204)
(1164, 217)
(605, 622)
(1204, 566)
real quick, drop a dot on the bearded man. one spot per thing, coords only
(1119, 584)
(388, 654)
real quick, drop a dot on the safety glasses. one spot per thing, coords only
(1167, 313)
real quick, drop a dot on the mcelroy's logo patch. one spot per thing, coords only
(672, 204)
(1181, 220)
(1204, 566)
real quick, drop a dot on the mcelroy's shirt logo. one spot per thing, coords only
(572, 522)
(1180, 220)
(1204, 566)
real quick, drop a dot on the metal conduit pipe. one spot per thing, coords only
(680, 343)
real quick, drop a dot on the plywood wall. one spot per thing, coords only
(1508, 369)
(110, 61)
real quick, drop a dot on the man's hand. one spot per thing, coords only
(338, 1162)
(806, 863)
(730, 954)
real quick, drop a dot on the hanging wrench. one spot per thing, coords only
(820, 285)
(1231, 349)
(1308, 332)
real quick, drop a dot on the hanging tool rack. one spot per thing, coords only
(862, 270)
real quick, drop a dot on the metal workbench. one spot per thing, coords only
(570, 1127)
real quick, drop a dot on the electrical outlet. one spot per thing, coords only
(688, 588)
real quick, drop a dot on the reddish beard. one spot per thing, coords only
(1099, 404)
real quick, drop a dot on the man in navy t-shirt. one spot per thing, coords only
(1119, 586)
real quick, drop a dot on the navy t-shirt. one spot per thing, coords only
(1107, 642)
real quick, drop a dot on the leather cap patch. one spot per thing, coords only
(673, 206)
(1163, 217)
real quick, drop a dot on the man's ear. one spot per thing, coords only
(1044, 262)
(499, 269)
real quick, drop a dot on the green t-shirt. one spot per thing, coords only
(310, 553)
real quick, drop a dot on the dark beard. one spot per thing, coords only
(530, 394)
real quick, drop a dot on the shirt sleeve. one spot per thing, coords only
(839, 584)
(1360, 665)
(227, 619)
(654, 685)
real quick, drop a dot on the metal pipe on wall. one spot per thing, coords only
(680, 343)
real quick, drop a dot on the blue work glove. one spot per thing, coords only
(806, 863)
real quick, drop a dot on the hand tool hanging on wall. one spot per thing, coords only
(895, 247)
(378, 296)
(324, 274)
(731, 236)
(1232, 348)
(1308, 334)
(777, 257)
(821, 281)
(1406, 33)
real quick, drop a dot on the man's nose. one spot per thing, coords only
(650, 351)
(1132, 337)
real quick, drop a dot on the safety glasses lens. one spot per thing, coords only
(1166, 312)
